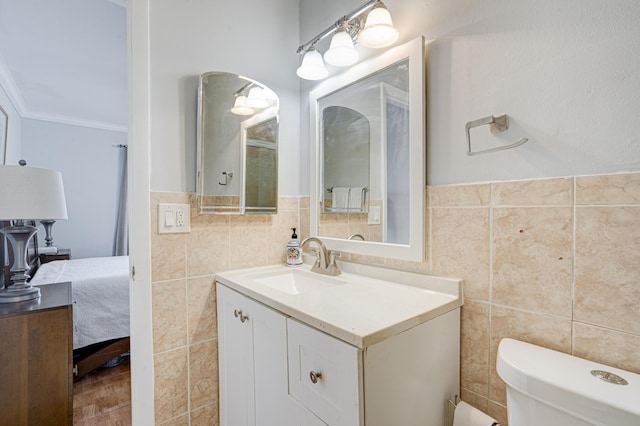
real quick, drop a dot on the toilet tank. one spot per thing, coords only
(555, 389)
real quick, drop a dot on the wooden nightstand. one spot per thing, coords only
(36, 378)
(63, 254)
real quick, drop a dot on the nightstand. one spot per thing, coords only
(63, 254)
(36, 378)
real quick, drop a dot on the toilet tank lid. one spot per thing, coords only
(565, 381)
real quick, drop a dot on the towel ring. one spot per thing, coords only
(497, 125)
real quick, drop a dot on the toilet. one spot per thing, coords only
(546, 387)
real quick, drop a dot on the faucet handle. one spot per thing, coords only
(332, 267)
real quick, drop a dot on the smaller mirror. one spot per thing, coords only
(237, 146)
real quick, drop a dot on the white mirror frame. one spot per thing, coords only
(414, 251)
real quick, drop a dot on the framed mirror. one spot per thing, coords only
(368, 156)
(237, 146)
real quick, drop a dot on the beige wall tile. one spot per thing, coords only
(248, 241)
(472, 195)
(472, 398)
(208, 245)
(169, 315)
(168, 256)
(287, 203)
(474, 347)
(608, 189)
(171, 384)
(201, 309)
(203, 369)
(205, 416)
(619, 350)
(460, 247)
(279, 234)
(542, 330)
(182, 420)
(532, 261)
(606, 267)
(304, 202)
(538, 192)
(305, 219)
(498, 412)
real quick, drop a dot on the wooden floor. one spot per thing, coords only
(103, 397)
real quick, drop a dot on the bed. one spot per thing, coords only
(100, 293)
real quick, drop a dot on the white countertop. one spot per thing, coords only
(374, 304)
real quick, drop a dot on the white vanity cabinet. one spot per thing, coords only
(280, 366)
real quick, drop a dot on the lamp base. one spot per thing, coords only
(9, 296)
(19, 289)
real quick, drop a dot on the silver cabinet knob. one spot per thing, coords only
(315, 376)
(238, 314)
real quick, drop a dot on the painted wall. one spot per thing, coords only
(90, 168)
(14, 130)
(252, 38)
(567, 73)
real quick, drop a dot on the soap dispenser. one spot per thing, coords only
(294, 252)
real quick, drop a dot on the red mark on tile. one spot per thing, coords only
(522, 231)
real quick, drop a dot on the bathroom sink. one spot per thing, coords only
(295, 281)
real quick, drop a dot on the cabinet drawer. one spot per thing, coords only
(325, 375)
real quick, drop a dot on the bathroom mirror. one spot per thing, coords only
(237, 146)
(368, 156)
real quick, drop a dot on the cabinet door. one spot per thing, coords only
(269, 328)
(235, 357)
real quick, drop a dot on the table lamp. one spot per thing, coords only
(26, 193)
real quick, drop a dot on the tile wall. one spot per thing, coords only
(184, 303)
(553, 262)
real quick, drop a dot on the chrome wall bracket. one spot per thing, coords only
(496, 125)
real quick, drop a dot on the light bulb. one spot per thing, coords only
(378, 30)
(256, 98)
(240, 106)
(312, 67)
(341, 52)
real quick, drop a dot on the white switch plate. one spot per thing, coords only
(374, 215)
(174, 218)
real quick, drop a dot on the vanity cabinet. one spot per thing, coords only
(276, 369)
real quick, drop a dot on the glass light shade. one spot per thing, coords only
(30, 193)
(240, 106)
(378, 30)
(312, 67)
(341, 52)
(256, 98)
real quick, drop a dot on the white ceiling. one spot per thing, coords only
(66, 60)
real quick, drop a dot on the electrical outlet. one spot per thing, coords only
(174, 218)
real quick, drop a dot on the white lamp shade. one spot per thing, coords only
(312, 67)
(30, 193)
(240, 106)
(378, 30)
(256, 98)
(341, 52)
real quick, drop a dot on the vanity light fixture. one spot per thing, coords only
(240, 106)
(341, 52)
(256, 98)
(370, 25)
(312, 67)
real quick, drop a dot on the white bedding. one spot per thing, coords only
(100, 292)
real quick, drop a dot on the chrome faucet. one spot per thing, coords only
(326, 262)
(356, 237)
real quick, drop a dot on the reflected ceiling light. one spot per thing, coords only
(375, 31)
(378, 30)
(256, 98)
(312, 67)
(240, 106)
(341, 52)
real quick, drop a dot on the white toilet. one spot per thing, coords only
(546, 387)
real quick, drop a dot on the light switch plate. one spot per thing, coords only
(374, 215)
(174, 218)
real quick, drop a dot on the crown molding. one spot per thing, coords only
(15, 97)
